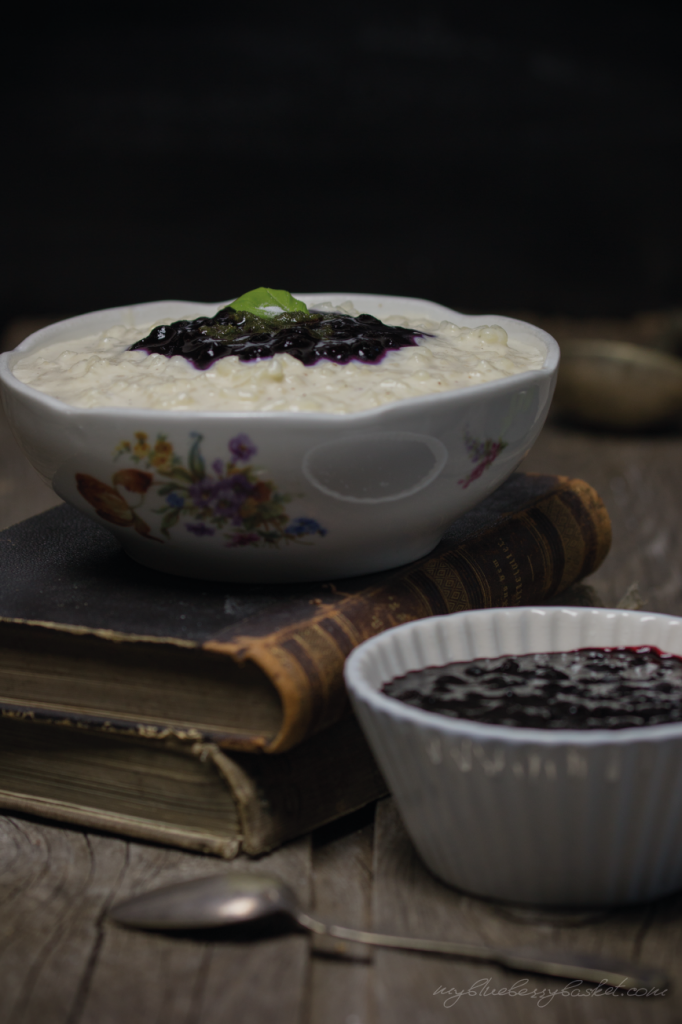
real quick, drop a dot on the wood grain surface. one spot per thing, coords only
(63, 962)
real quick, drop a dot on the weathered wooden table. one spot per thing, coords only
(63, 962)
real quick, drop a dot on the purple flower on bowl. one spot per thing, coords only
(229, 496)
(203, 493)
(200, 529)
(242, 448)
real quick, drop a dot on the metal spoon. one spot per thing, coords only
(237, 897)
(618, 385)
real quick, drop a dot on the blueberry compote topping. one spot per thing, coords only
(308, 336)
(594, 688)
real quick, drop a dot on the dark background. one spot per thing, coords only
(491, 157)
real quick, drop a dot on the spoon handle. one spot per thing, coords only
(575, 966)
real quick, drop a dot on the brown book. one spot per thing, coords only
(190, 793)
(93, 639)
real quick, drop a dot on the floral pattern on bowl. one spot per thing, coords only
(482, 454)
(229, 500)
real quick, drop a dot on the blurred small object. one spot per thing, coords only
(579, 595)
(660, 329)
(631, 599)
(618, 385)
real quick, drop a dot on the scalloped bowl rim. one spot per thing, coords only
(358, 685)
(42, 338)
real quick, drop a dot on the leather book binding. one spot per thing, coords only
(88, 635)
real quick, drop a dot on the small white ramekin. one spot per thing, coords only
(545, 817)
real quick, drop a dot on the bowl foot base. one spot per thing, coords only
(272, 566)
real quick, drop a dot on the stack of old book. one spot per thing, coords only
(213, 716)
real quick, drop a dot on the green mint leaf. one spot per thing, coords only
(268, 302)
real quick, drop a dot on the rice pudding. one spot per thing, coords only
(105, 370)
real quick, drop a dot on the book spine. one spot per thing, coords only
(277, 798)
(527, 557)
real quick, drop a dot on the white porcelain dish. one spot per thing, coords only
(544, 817)
(349, 494)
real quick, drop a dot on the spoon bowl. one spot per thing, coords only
(213, 902)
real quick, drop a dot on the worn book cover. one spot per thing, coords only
(186, 793)
(92, 635)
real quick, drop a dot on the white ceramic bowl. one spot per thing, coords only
(363, 492)
(546, 817)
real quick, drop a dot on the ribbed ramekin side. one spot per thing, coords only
(569, 820)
